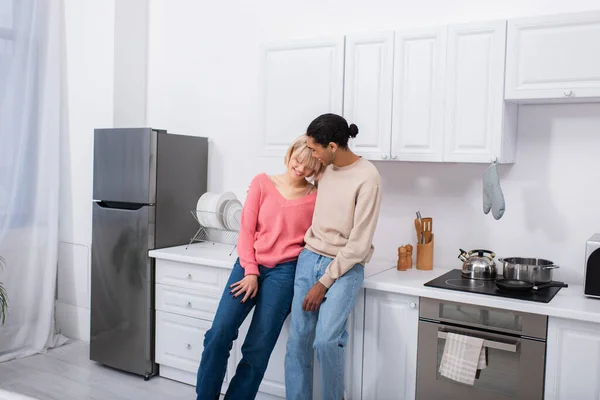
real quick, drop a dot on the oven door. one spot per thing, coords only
(515, 366)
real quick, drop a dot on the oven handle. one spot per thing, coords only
(510, 347)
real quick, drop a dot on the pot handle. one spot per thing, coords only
(481, 251)
(550, 267)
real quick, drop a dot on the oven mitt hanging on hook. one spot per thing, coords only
(493, 199)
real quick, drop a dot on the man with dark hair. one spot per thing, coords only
(331, 266)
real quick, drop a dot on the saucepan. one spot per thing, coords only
(521, 286)
(536, 270)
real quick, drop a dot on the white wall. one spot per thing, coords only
(89, 34)
(202, 80)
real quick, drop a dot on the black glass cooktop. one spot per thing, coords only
(453, 280)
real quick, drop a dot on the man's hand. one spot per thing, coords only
(249, 285)
(314, 297)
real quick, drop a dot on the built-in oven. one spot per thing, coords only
(515, 345)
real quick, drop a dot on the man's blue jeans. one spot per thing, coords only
(324, 330)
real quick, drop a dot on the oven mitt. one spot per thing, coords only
(493, 199)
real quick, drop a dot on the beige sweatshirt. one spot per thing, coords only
(345, 217)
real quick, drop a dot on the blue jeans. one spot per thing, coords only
(324, 330)
(273, 302)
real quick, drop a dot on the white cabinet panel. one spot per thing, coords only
(186, 302)
(478, 125)
(179, 340)
(390, 346)
(419, 82)
(300, 80)
(368, 92)
(554, 58)
(573, 360)
(208, 279)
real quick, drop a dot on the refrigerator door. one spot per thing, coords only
(125, 165)
(122, 304)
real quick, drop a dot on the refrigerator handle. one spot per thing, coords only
(120, 205)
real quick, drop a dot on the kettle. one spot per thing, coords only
(478, 265)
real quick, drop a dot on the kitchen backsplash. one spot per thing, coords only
(551, 197)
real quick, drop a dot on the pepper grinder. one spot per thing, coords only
(402, 264)
(409, 261)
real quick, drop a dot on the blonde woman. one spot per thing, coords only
(276, 215)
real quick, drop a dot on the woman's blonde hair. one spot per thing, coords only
(299, 149)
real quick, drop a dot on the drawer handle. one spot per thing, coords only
(189, 304)
(510, 347)
(189, 346)
(190, 277)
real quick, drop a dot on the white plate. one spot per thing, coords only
(233, 215)
(203, 208)
(222, 201)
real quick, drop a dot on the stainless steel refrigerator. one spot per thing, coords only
(146, 182)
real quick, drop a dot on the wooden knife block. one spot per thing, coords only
(425, 253)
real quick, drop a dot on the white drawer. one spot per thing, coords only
(179, 340)
(192, 276)
(187, 302)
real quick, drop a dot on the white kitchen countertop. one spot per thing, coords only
(205, 253)
(568, 303)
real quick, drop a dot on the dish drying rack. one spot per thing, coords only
(212, 234)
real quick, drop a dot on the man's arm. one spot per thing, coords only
(366, 215)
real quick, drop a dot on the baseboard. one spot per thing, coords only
(72, 321)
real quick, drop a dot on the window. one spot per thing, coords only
(19, 69)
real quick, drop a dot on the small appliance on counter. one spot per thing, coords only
(592, 267)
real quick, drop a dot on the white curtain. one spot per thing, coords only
(31, 80)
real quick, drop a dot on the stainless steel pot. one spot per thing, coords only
(536, 270)
(476, 265)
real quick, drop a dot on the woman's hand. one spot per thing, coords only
(248, 285)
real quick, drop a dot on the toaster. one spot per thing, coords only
(592, 267)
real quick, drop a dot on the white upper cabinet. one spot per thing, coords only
(368, 92)
(554, 58)
(479, 126)
(300, 80)
(418, 106)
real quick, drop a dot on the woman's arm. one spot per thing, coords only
(248, 228)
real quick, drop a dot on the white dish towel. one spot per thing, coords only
(463, 356)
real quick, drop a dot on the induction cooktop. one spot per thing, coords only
(453, 280)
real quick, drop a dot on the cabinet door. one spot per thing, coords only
(474, 120)
(554, 57)
(179, 341)
(390, 346)
(419, 82)
(368, 92)
(300, 81)
(572, 362)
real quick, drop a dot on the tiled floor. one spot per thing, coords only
(66, 373)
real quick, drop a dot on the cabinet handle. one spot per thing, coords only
(384, 156)
(189, 346)
(568, 93)
(189, 304)
(394, 156)
(190, 276)
(412, 304)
